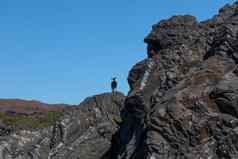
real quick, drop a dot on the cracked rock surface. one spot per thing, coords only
(182, 103)
(183, 99)
(83, 132)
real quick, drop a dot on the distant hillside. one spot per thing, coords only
(29, 114)
(20, 106)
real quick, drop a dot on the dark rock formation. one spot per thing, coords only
(82, 132)
(183, 101)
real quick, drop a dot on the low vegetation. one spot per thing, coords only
(31, 121)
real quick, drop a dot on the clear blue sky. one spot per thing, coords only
(61, 51)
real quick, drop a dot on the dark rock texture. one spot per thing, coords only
(183, 101)
(83, 132)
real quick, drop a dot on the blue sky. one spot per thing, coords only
(61, 51)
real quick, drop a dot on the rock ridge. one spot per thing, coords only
(82, 131)
(183, 98)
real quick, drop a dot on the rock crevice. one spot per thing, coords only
(185, 104)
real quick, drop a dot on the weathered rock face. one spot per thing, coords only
(183, 101)
(82, 132)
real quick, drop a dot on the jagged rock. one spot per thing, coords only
(84, 132)
(183, 102)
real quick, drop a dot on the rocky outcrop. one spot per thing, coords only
(183, 101)
(83, 132)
